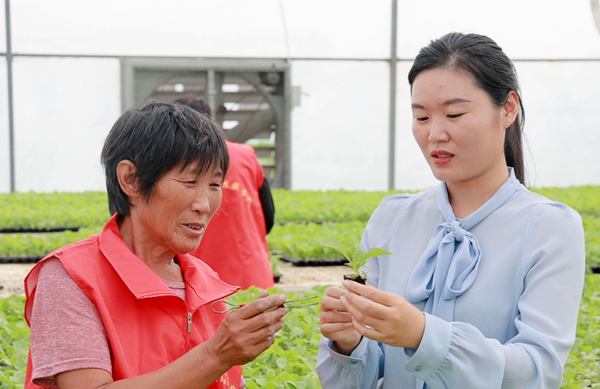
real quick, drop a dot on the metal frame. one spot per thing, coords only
(11, 122)
(393, 92)
(129, 66)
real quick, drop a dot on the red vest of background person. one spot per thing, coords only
(235, 243)
(147, 324)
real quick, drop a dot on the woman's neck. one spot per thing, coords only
(160, 261)
(468, 196)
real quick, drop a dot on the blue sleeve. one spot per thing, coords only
(364, 367)
(360, 370)
(457, 355)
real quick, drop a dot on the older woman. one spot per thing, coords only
(129, 308)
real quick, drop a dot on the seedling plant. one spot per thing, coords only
(357, 260)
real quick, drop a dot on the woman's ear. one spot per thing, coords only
(126, 174)
(510, 111)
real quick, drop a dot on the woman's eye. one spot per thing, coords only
(454, 116)
(215, 185)
(422, 119)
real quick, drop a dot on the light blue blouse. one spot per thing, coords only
(505, 313)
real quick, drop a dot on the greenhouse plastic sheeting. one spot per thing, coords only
(2, 29)
(4, 140)
(204, 28)
(325, 28)
(561, 126)
(340, 130)
(64, 108)
(527, 29)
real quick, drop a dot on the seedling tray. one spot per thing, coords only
(314, 262)
(36, 230)
(20, 259)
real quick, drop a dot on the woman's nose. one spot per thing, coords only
(201, 202)
(437, 132)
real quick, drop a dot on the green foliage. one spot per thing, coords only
(583, 365)
(303, 241)
(14, 343)
(330, 206)
(53, 210)
(358, 258)
(591, 226)
(584, 199)
(39, 244)
(291, 361)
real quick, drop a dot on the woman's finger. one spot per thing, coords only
(335, 317)
(259, 306)
(260, 335)
(263, 319)
(367, 307)
(332, 328)
(332, 304)
(335, 292)
(371, 333)
(362, 317)
(370, 292)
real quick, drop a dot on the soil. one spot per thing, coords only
(293, 278)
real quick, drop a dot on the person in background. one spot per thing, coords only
(129, 308)
(235, 245)
(483, 285)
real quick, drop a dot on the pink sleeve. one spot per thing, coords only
(66, 329)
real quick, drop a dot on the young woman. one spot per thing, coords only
(483, 287)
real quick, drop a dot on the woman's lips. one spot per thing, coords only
(441, 157)
(195, 228)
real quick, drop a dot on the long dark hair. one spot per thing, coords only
(491, 70)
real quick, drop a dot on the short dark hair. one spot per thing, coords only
(156, 137)
(196, 103)
(491, 70)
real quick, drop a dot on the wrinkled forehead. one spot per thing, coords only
(201, 167)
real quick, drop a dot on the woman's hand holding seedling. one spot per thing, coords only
(390, 318)
(248, 331)
(336, 322)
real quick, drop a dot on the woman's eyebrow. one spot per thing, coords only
(456, 100)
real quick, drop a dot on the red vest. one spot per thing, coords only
(147, 324)
(235, 241)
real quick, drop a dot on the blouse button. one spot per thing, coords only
(418, 368)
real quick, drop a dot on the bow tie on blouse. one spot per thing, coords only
(448, 267)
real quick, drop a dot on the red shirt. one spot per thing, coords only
(147, 324)
(235, 243)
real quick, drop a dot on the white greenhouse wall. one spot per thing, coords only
(562, 126)
(4, 136)
(340, 132)
(203, 28)
(2, 30)
(562, 121)
(525, 29)
(64, 108)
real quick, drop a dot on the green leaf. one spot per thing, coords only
(334, 244)
(376, 252)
